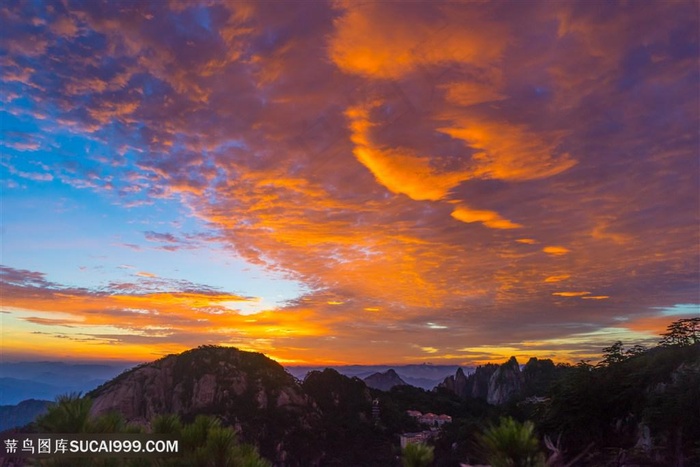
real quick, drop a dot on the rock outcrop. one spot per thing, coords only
(384, 381)
(196, 380)
(505, 383)
(244, 389)
(497, 384)
(475, 385)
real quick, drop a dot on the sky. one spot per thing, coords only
(347, 182)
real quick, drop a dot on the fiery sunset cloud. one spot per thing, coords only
(332, 182)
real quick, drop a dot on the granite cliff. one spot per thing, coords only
(499, 384)
(505, 383)
(476, 385)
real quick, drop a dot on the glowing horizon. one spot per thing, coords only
(331, 183)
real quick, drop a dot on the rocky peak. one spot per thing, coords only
(384, 381)
(475, 385)
(505, 383)
(195, 380)
(496, 384)
(244, 389)
(460, 382)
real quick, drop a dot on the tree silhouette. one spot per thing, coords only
(682, 333)
(613, 354)
(203, 443)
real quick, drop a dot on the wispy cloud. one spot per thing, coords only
(407, 163)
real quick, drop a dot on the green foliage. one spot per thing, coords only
(203, 443)
(417, 455)
(511, 444)
(166, 424)
(70, 414)
(538, 375)
(653, 390)
(111, 422)
(346, 434)
(468, 417)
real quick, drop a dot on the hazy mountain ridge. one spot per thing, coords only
(21, 414)
(21, 381)
(425, 376)
(384, 381)
(14, 390)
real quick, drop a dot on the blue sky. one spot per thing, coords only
(339, 183)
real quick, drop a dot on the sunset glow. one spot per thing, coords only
(341, 183)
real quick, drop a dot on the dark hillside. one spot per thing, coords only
(243, 389)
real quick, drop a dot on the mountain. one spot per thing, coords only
(505, 383)
(348, 433)
(244, 389)
(12, 416)
(327, 419)
(425, 375)
(384, 381)
(46, 380)
(643, 404)
(476, 385)
(56, 372)
(497, 384)
(14, 390)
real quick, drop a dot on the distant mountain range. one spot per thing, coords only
(424, 376)
(20, 381)
(25, 412)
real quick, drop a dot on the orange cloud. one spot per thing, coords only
(489, 218)
(167, 321)
(602, 232)
(257, 131)
(510, 152)
(368, 40)
(571, 294)
(466, 94)
(555, 250)
(398, 169)
(559, 278)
